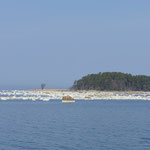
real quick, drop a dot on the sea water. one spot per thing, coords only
(84, 125)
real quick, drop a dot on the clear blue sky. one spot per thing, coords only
(59, 41)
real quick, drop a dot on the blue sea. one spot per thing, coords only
(84, 125)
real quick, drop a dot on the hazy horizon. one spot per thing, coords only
(57, 42)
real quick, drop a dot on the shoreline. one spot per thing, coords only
(57, 94)
(80, 91)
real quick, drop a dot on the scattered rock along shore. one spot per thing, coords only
(54, 94)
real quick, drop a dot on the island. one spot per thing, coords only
(113, 81)
(101, 86)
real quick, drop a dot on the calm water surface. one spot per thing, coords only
(85, 125)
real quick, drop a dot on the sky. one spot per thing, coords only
(59, 41)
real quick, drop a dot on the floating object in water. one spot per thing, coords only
(67, 99)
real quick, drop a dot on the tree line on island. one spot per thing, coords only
(113, 81)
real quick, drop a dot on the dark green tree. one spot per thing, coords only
(113, 81)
